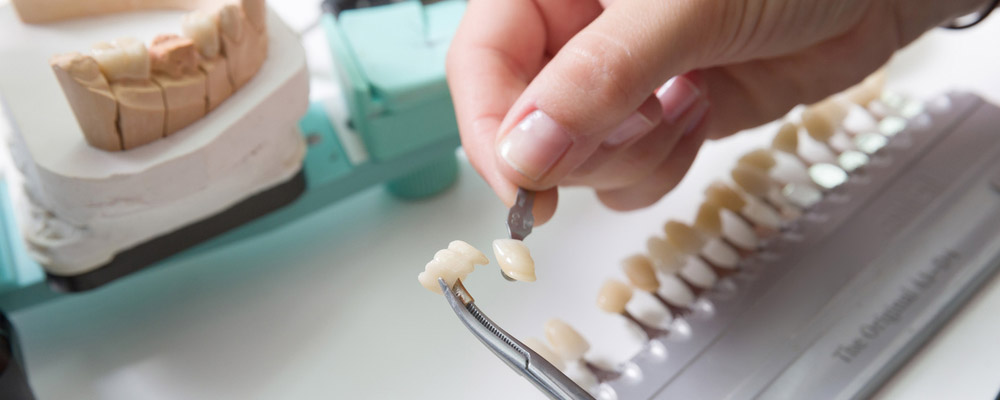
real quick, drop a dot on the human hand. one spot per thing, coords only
(565, 92)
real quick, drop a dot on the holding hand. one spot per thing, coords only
(571, 92)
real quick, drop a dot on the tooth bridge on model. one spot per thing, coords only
(125, 95)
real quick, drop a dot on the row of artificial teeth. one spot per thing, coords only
(460, 258)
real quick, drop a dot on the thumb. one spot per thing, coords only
(601, 83)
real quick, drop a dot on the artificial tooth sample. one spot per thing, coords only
(709, 220)
(721, 194)
(175, 69)
(665, 256)
(787, 139)
(868, 90)
(90, 97)
(613, 296)
(832, 108)
(754, 182)
(639, 271)
(819, 127)
(243, 45)
(684, 237)
(469, 252)
(514, 259)
(448, 265)
(141, 110)
(761, 159)
(691, 242)
(202, 29)
(566, 341)
(546, 352)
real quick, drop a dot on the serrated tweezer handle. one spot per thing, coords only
(545, 376)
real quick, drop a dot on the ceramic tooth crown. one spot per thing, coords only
(122, 59)
(201, 28)
(469, 252)
(514, 259)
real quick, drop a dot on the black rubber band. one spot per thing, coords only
(982, 16)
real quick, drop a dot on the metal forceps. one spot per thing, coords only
(546, 377)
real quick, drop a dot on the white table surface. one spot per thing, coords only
(329, 307)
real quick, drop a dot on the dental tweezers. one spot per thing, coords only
(515, 354)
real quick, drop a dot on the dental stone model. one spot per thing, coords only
(80, 201)
(514, 259)
(141, 111)
(175, 82)
(202, 29)
(451, 264)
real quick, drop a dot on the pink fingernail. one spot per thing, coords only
(697, 115)
(535, 145)
(676, 96)
(634, 126)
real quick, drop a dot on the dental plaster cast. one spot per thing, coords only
(613, 296)
(177, 81)
(175, 70)
(566, 341)
(201, 28)
(514, 259)
(78, 199)
(85, 86)
(141, 110)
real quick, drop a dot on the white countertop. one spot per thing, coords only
(330, 307)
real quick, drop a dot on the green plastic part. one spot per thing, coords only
(391, 64)
(427, 181)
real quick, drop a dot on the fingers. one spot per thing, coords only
(752, 93)
(596, 84)
(613, 167)
(667, 175)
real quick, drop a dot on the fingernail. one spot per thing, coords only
(634, 126)
(697, 115)
(535, 145)
(676, 96)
